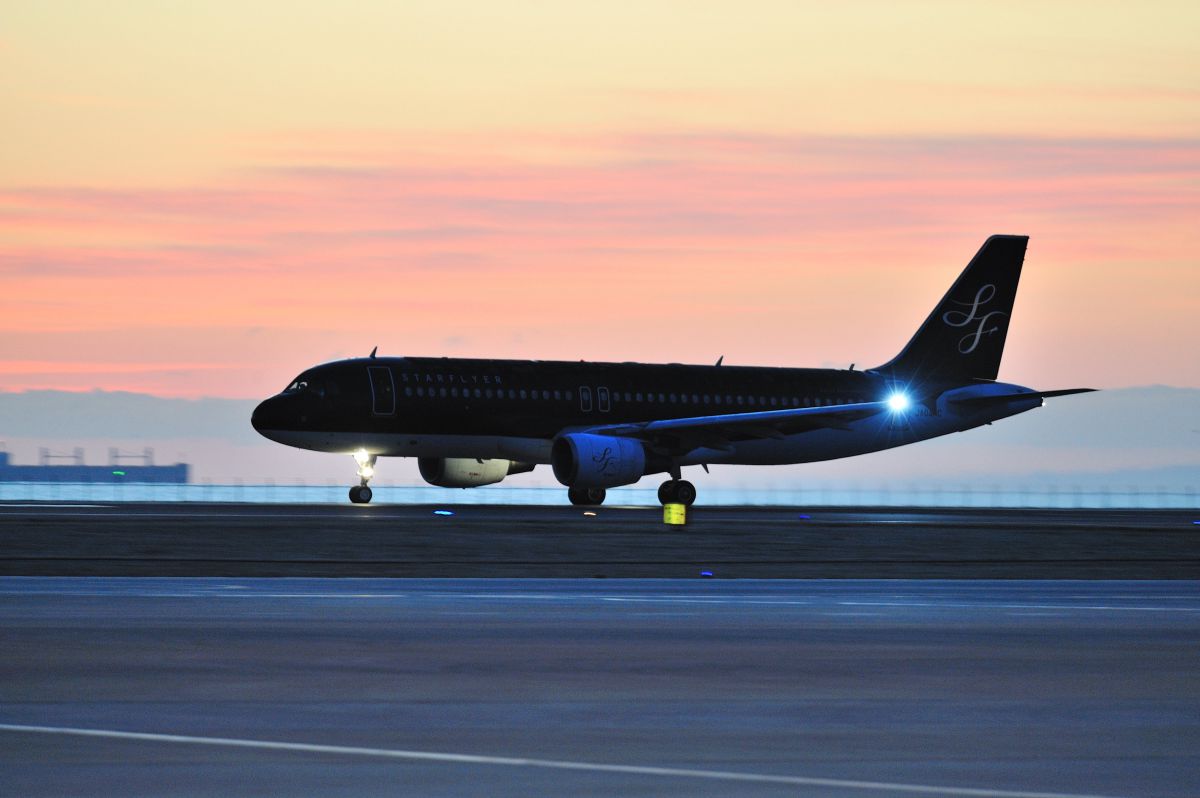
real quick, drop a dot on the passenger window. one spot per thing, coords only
(488, 393)
(524, 395)
(639, 397)
(558, 394)
(662, 399)
(408, 390)
(478, 394)
(570, 396)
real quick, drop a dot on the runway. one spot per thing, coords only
(361, 687)
(616, 542)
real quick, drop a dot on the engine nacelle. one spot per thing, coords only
(467, 472)
(583, 460)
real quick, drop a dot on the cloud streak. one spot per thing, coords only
(695, 230)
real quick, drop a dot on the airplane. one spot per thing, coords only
(473, 422)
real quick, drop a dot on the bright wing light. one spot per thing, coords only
(898, 402)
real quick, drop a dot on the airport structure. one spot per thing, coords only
(121, 468)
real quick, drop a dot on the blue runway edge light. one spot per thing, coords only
(706, 573)
(443, 512)
(804, 516)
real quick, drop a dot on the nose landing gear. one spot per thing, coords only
(361, 493)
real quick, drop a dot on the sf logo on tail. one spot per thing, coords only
(958, 318)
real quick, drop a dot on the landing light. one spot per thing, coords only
(898, 402)
(361, 457)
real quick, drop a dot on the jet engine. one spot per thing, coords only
(467, 472)
(583, 460)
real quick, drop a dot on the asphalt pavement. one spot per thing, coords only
(496, 687)
(562, 541)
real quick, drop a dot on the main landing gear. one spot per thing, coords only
(677, 491)
(587, 497)
(361, 493)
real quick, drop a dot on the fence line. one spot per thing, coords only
(886, 495)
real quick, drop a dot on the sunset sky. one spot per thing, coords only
(202, 199)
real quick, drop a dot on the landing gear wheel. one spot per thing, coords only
(360, 494)
(586, 496)
(677, 491)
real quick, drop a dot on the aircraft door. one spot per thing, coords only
(383, 391)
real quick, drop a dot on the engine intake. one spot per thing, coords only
(583, 460)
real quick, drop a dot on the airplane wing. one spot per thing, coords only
(681, 435)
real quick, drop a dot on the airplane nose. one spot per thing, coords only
(266, 415)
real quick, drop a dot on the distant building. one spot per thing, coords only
(119, 469)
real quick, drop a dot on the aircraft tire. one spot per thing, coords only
(360, 494)
(584, 497)
(677, 492)
(685, 493)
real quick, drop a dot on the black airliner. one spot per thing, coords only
(602, 425)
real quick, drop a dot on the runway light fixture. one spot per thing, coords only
(898, 402)
(443, 512)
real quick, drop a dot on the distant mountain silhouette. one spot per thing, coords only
(117, 414)
(1145, 436)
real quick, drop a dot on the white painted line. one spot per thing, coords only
(551, 764)
(730, 600)
(41, 506)
(983, 606)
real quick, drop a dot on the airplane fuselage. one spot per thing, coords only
(513, 409)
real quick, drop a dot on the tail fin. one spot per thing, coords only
(963, 338)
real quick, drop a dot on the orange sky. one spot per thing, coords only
(201, 200)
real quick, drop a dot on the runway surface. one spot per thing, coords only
(508, 541)
(357, 687)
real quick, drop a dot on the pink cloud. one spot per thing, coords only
(784, 250)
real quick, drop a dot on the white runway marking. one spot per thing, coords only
(946, 604)
(551, 764)
(60, 506)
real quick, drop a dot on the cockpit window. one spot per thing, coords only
(298, 385)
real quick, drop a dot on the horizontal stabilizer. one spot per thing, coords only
(1008, 397)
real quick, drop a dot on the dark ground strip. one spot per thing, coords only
(522, 541)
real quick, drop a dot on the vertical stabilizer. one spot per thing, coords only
(963, 338)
